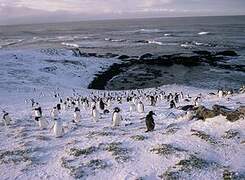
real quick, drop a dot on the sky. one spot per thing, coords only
(39, 11)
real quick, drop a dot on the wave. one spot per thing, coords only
(10, 43)
(155, 42)
(70, 44)
(149, 30)
(167, 35)
(203, 33)
(115, 40)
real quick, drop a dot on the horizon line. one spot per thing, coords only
(119, 19)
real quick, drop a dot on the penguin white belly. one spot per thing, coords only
(7, 120)
(37, 113)
(85, 106)
(132, 107)
(43, 124)
(77, 117)
(54, 114)
(117, 118)
(220, 94)
(109, 104)
(58, 129)
(95, 115)
(140, 108)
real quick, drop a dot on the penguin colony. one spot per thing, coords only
(99, 103)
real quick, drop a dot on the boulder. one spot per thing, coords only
(204, 113)
(123, 57)
(227, 53)
(146, 56)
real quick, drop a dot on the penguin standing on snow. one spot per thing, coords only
(116, 117)
(149, 120)
(220, 93)
(153, 100)
(37, 112)
(54, 113)
(58, 128)
(95, 114)
(43, 124)
(102, 105)
(172, 104)
(6, 118)
(132, 107)
(77, 115)
(140, 107)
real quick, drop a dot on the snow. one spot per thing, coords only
(50, 158)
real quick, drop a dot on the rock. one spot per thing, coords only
(138, 138)
(146, 56)
(123, 57)
(203, 53)
(227, 53)
(187, 107)
(204, 113)
(166, 149)
(233, 116)
(204, 136)
(241, 109)
(221, 110)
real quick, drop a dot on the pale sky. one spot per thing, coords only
(38, 11)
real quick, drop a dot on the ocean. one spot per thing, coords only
(134, 37)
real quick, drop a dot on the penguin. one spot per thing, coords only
(220, 93)
(153, 101)
(58, 128)
(95, 114)
(6, 118)
(37, 112)
(132, 107)
(140, 107)
(176, 98)
(43, 124)
(77, 115)
(149, 120)
(58, 107)
(116, 117)
(54, 113)
(196, 101)
(102, 105)
(172, 104)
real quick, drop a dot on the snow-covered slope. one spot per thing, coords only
(176, 149)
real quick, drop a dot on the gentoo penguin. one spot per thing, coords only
(172, 104)
(77, 115)
(54, 113)
(150, 124)
(6, 118)
(116, 117)
(37, 112)
(140, 107)
(95, 114)
(58, 128)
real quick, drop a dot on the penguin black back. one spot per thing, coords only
(149, 120)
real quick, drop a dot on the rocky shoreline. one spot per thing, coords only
(149, 70)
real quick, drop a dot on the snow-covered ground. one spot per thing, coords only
(177, 148)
